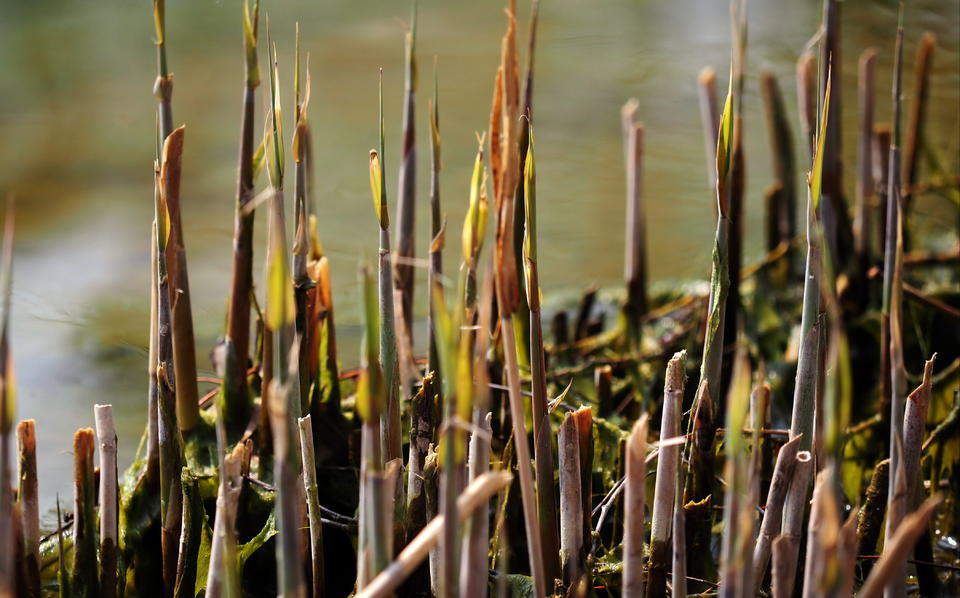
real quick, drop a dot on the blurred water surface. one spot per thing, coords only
(78, 120)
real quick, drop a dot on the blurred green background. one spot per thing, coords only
(77, 116)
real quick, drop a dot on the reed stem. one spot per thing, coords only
(635, 261)
(782, 214)
(807, 99)
(313, 506)
(863, 220)
(571, 503)
(633, 507)
(108, 499)
(918, 111)
(473, 567)
(786, 548)
(773, 509)
(665, 489)
(710, 118)
(29, 506)
(223, 577)
(83, 574)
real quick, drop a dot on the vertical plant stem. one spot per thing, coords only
(571, 503)
(891, 320)
(633, 507)
(235, 400)
(786, 547)
(710, 118)
(665, 489)
(83, 575)
(29, 505)
(807, 99)
(313, 506)
(918, 110)
(870, 520)
(170, 442)
(542, 433)
(635, 261)
(109, 500)
(783, 214)
(863, 224)
(407, 188)
(473, 567)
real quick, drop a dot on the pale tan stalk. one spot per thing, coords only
(571, 503)
(633, 506)
(863, 218)
(109, 500)
(223, 577)
(796, 499)
(473, 497)
(807, 99)
(473, 567)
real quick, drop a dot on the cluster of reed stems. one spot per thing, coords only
(291, 447)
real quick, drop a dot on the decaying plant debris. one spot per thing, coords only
(493, 460)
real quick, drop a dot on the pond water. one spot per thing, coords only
(78, 117)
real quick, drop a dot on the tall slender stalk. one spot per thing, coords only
(665, 489)
(407, 190)
(313, 506)
(542, 434)
(7, 414)
(170, 442)
(890, 319)
(782, 214)
(235, 400)
(83, 574)
(918, 111)
(863, 219)
(635, 260)
(473, 566)
(109, 497)
(371, 401)
(505, 177)
(837, 229)
(390, 424)
(633, 506)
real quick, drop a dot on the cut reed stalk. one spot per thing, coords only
(786, 548)
(914, 430)
(235, 401)
(863, 219)
(870, 519)
(635, 260)
(83, 573)
(542, 433)
(223, 577)
(571, 503)
(583, 418)
(773, 509)
(890, 319)
(896, 550)
(807, 99)
(782, 214)
(665, 489)
(474, 496)
(170, 442)
(710, 119)
(313, 506)
(407, 190)
(29, 506)
(820, 568)
(109, 497)
(473, 567)
(633, 507)
(918, 111)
